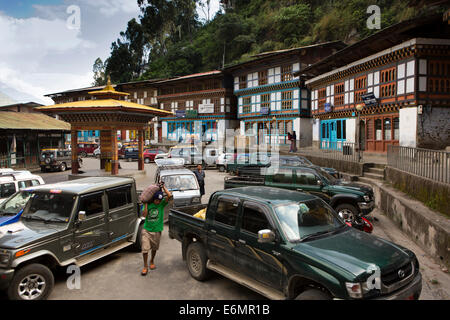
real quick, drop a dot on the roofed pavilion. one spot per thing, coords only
(107, 113)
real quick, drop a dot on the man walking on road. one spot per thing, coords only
(200, 174)
(153, 226)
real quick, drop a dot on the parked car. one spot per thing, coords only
(97, 152)
(72, 222)
(181, 182)
(12, 181)
(191, 155)
(11, 209)
(150, 154)
(223, 159)
(56, 159)
(302, 161)
(288, 244)
(86, 149)
(249, 163)
(351, 200)
(131, 153)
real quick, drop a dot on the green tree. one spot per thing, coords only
(99, 72)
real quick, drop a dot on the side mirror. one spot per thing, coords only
(266, 236)
(81, 216)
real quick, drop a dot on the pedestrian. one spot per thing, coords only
(200, 174)
(294, 142)
(290, 139)
(153, 226)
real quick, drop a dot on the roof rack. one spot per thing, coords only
(13, 174)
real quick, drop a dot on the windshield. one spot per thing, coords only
(14, 205)
(327, 177)
(51, 207)
(180, 182)
(303, 219)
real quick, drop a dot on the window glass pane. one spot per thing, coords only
(396, 129)
(344, 134)
(254, 221)
(34, 182)
(306, 178)
(91, 204)
(119, 197)
(339, 131)
(7, 189)
(387, 129)
(21, 184)
(227, 212)
(283, 176)
(378, 130)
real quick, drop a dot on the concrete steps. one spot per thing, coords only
(374, 171)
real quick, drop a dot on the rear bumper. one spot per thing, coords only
(6, 276)
(410, 292)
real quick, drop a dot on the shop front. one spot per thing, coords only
(188, 126)
(380, 131)
(270, 130)
(333, 133)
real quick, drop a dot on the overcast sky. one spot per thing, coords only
(43, 51)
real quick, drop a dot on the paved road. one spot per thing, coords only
(118, 276)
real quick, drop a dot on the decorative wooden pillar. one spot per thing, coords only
(74, 143)
(141, 149)
(115, 153)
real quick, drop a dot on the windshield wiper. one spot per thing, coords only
(33, 218)
(55, 220)
(314, 235)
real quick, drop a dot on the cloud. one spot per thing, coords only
(41, 55)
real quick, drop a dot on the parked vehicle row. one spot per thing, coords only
(12, 181)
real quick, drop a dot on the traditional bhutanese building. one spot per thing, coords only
(271, 100)
(141, 92)
(399, 76)
(203, 104)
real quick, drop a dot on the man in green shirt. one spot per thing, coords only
(153, 226)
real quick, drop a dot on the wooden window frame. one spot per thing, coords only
(263, 78)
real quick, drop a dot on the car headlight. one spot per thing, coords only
(4, 259)
(366, 198)
(196, 200)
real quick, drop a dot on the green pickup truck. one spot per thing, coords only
(349, 199)
(67, 223)
(287, 244)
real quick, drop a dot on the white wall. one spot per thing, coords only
(408, 127)
(164, 129)
(316, 130)
(242, 126)
(350, 130)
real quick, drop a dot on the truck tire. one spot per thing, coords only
(221, 168)
(32, 282)
(313, 294)
(196, 261)
(62, 167)
(147, 160)
(43, 169)
(347, 209)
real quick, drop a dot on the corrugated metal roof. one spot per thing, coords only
(30, 121)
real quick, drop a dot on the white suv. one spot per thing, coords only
(12, 181)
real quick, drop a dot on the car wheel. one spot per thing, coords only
(62, 167)
(347, 212)
(196, 261)
(43, 169)
(221, 168)
(83, 154)
(32, 282)
(313, 294)
(147, 160)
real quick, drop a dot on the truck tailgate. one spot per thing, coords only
(182, 220)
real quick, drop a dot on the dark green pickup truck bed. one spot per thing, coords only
(182, 220)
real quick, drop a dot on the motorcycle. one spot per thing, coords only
(359, 223)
